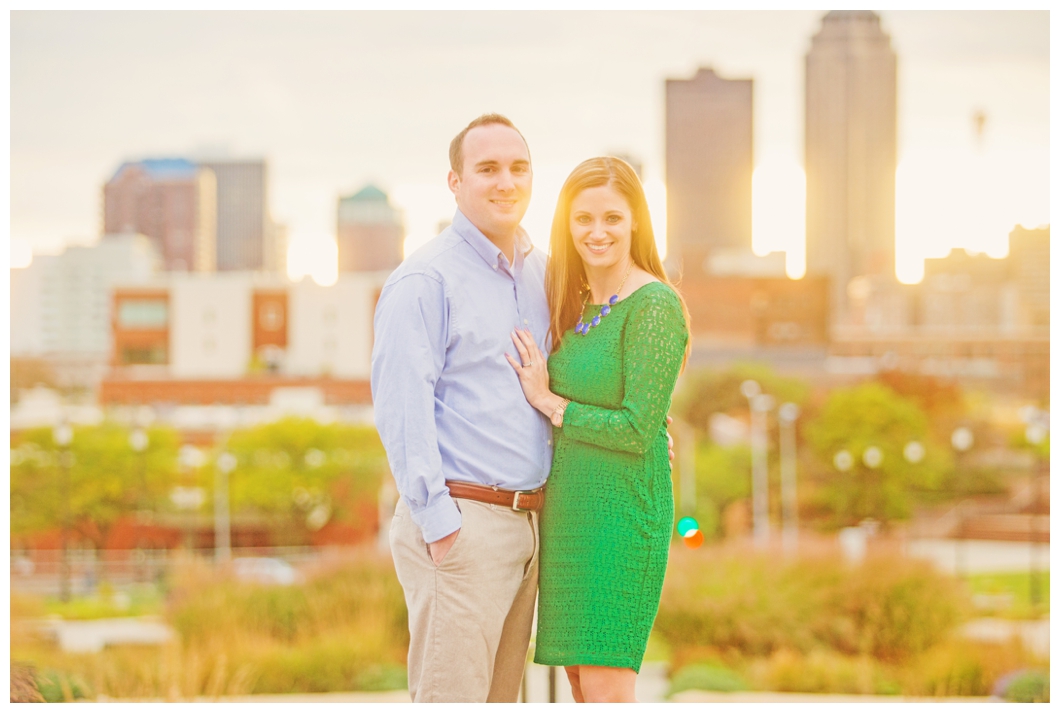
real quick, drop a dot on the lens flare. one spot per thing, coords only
(685, 525)
(693, 540)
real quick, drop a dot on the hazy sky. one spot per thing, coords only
(334, 100)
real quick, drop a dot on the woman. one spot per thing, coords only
(619, 335)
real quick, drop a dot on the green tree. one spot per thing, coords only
(723, 476)
(305, 474)
(704, 392)
(107, 479)
(872, 415)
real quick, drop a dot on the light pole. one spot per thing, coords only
(759, 404)
(787, 415)
(226, 463)
(961, 439)
(138, 442)
(1035, 434)
(686, 454)
(188, 499)
(63, 435)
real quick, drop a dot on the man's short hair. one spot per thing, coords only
(456, 146)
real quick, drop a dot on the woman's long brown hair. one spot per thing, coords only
(565, 274)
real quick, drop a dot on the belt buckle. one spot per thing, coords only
(515, 500)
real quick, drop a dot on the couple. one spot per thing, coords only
(460, 326)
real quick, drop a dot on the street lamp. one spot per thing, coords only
(226, 463)
(914, 452)
(961, 439)
(759, 404)
(63, 435)
(787, 415)
(188, 498)
(138, 442)
(1035, 433)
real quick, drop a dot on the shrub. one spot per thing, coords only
(749, 603)
(706, 677)
(821, 671)
(1029, 687)
(344, 629)
(960, 668)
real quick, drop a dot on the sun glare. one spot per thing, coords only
(314, 255)
(21, 253)
(778, 212)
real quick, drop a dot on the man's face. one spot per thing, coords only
(493, 188)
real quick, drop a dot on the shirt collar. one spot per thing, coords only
(484, 246)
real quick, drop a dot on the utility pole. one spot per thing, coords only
(759, 404)
(787, 415)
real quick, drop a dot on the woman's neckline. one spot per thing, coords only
(646, 284)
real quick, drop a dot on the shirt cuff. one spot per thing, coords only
(438, 520)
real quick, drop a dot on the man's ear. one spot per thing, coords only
(454, 181)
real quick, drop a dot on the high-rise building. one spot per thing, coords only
(709, 162)
(851, 153)
(60, 304)
(173, 202)
(371, 232)
(245, 234)
(1028, 253)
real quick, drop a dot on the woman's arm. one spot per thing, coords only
(653, 350)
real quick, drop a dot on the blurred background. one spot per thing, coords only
(204, 207)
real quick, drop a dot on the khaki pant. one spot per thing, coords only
(470, 616)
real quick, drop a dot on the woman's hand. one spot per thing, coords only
(532, 370)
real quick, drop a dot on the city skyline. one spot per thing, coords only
(322, 142)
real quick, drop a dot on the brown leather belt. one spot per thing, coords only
(518, 500)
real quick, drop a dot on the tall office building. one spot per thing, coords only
(851, 154)
(245, 234)
(371, 232)
(1028, 253)
(709, 161)
(173, 202)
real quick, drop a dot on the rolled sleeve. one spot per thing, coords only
(411, 333)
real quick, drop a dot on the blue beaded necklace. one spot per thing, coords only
(583, 328)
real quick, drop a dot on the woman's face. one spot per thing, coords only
(601, 225)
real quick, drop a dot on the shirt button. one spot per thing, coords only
(526, 321)
(550, 441)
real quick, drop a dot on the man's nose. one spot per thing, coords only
(505, 182)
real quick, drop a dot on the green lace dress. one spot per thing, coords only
(608, 515)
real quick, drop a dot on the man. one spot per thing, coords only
(468, 452)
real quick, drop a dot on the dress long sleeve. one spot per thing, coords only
(653, 346)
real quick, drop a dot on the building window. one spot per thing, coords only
(270, 316)
(143, 314)
(144, 355)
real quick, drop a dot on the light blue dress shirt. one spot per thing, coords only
(448, 405)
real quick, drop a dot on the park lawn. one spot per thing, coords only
(1017, 585)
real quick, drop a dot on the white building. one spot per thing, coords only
(237, 324)
(60, 304)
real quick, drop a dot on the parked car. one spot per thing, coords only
(265, 570)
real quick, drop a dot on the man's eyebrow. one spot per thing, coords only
(494, 162)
